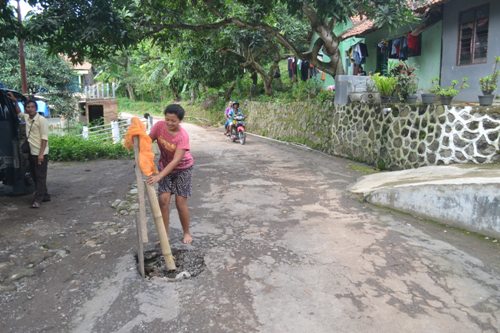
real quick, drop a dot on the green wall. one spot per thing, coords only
(428, 63)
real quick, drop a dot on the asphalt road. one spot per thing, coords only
(286, 248)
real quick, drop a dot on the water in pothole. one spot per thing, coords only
(190, 261)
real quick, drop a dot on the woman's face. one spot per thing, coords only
(172, 121)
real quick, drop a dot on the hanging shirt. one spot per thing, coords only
(304, 70)
(413, 44)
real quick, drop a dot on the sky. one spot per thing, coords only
(24, 7)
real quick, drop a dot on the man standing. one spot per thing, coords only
(37, 134)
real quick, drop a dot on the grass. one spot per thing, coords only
(364, 169)
(195, 113)
(140, 107)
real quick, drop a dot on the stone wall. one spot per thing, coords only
(395, 137)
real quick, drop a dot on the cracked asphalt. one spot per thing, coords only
(286, 247)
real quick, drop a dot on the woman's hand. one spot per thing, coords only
(153, 179)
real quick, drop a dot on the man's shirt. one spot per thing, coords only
(37, 129)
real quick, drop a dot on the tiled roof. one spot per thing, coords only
(361, 26)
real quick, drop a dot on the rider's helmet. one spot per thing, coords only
(236, 103)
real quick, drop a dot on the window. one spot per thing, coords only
(473, 36)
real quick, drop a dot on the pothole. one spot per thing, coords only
(189, 262)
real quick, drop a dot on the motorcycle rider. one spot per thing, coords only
(235, 111)
(226, 116)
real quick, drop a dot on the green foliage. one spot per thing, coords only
(488, 83)
(386, 85)
(306, 89)
(47, 75)
(97, 28)
(449, 91)
(140, 107)
(406, 80)
(75, 148)
(325, 96)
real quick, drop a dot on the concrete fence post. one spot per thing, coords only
(85, 132)
(115, 131)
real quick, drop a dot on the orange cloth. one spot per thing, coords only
(146, 155)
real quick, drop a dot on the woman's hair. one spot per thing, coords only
(175, 109)
(147, 115)
(30, 101)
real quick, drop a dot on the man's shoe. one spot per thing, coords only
(46, 199)
(35, 205)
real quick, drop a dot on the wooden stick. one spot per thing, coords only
(140, 192)
(160, 227)
(140, 247)
(140, 221)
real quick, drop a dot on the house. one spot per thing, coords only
(84, 75)
(455, 39)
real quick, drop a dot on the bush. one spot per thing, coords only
(326, 96)
(75, 148)
(385, 85)
(306, 90)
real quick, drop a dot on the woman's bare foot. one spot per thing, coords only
(187, 239)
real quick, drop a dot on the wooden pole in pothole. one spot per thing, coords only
(160, 227)
(142, 231)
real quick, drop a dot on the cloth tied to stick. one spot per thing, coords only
(146, 155)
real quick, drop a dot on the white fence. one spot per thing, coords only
(113, 131)
(100, 90)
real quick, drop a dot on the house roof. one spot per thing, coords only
(362, 26)
(84, 66)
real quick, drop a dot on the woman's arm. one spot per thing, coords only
(178, 155)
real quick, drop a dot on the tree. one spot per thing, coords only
(95, 28)
(49, 75)
(46, 73)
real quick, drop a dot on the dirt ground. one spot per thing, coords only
(79, 224)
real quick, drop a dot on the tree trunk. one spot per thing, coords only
(268, 85)
(229, 91)
(253, 88)
(330, 42)
(130, 91)
(193, 95)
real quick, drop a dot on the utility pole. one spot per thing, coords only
(22, 62)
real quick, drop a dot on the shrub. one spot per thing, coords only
(326, 96)
(448, 91)
(306, 90)
(488, 83)
(385, 84)
(75, 148)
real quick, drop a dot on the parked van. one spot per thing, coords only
(14, 168)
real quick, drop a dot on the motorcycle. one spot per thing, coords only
(238, 129)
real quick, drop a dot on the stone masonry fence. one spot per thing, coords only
(397, 136)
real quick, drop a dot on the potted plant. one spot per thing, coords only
(406, 86)
(488, 86)
(446, 93)
(386, 85)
